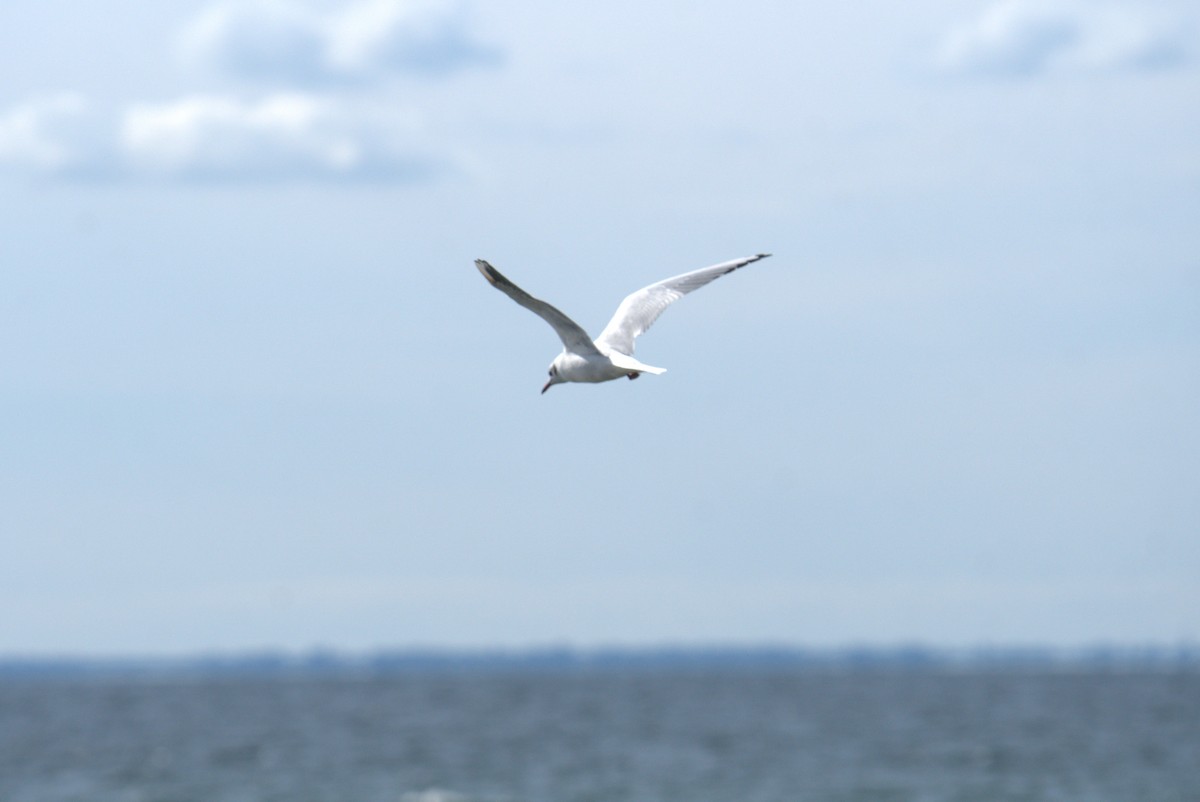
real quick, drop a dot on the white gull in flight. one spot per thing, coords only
(610, 356)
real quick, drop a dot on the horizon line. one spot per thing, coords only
(319, 661)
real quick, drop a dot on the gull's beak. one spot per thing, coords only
(546, 386)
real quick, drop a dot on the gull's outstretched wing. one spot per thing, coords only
(640, 309)
(574, 338)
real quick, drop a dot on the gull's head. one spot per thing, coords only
(555, 375)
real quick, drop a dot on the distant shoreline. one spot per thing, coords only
(384, 663)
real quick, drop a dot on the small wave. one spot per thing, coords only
(434, 795)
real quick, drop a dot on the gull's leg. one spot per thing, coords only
(633, 374)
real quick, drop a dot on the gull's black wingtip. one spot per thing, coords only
(490, 273)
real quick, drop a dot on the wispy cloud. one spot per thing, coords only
(287, 42)
(281, 137)
(44, 134)
(297, 126)
(1015, 38)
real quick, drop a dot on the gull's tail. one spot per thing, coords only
(626, 362)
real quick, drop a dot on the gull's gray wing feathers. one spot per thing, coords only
(639, 310)
(574, 338)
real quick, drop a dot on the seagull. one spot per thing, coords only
(610, 356)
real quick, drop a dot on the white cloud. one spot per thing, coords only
(43, 134)
(287, 42)
(309, 131)
(279, 137)
(216, 138)
(1025, 37)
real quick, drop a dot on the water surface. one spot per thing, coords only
(685, 736)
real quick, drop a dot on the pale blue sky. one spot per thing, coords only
(255, 395)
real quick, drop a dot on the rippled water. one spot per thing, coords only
(569, 737)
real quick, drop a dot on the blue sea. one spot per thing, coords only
(696, 735)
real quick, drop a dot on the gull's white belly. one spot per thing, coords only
(575, 368)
